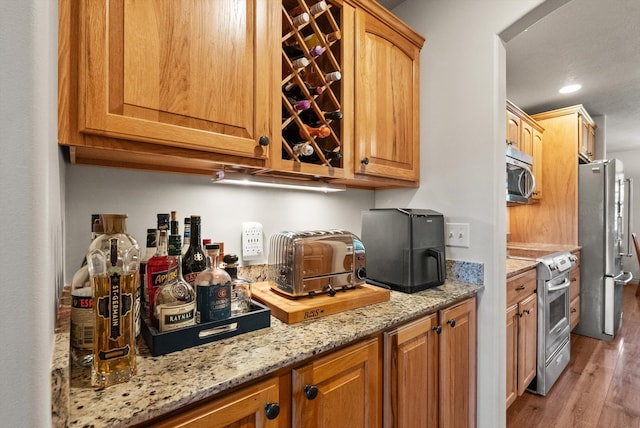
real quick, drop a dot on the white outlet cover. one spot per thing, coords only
(252, 240)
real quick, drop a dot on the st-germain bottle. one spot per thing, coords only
(113, 260)
(175, 301)
(213, 289)
(195, 259)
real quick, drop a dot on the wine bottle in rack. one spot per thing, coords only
(294, 91)
(294, 52)
(312, 77)
(297, 106)
(315, 9)
(333, 158)
(300, 19)
(311, 118)
(293, 134)
(315, 39)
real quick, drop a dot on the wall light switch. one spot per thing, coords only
(457, 235)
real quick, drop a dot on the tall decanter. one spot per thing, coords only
(113, 261)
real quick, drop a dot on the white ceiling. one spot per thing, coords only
(592, 42)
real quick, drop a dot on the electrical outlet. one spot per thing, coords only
(457, 235)
(252, 242)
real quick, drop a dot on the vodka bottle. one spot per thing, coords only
(113, 262)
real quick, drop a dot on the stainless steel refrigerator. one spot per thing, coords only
(603, 232)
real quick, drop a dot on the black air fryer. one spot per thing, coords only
(404, 247)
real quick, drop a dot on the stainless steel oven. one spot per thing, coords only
(554, 350)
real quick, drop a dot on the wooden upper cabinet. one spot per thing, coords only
(513, 130)
(526, 137)
(538, 171)
(180, 73)
(387, 73)
(586, 138)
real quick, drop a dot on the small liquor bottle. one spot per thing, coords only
(113, 261)
(213, 289)
(149, 252)
(195, 259)
(240, 287)
(160, 269)
(175, 304)
(174, 225)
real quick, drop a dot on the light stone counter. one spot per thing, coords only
(172, 381)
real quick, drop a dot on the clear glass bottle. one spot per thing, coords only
(213, 289)
(113, 260)
(82, 307)
(195, 259)
(175, 300)
(240, 287)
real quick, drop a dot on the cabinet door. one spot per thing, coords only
(254, 406)
(512, 354)
(458, 365)
(537, 163)
(513, 130)
(339, 390)
(387, 101)
(527, 341)
(179, 73)
(411, 375)
(526, 137)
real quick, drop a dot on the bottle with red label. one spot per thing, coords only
(160, 269)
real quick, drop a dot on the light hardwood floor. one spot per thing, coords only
(599, 388)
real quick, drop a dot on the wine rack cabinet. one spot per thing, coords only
(312, 34)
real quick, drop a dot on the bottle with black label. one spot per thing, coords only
(150, 250)
(195, 259)
(175, 301)
(213, 289)
(113, 261)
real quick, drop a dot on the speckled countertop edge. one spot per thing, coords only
(171, 381)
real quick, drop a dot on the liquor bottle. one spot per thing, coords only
(160, 269)
(293, 134)
(240, 287)
(150, 250)
(312, 77)
(113, 261)
(187, 235)
(174, 225)
(195, 259)
(175, 301)
(213, 290)
(311, 118)
(82, 319)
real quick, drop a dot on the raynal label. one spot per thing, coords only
(174, 317)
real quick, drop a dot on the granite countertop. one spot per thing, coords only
(518, 265)
(166, 383)
(541, 248)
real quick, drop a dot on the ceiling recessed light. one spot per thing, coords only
(570, 88)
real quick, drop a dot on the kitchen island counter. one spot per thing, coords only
(167, 383)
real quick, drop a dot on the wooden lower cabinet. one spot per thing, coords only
(430, 370)
(522, 338)
(254, 406)
(574, 293)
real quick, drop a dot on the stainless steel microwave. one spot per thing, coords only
(520, 180)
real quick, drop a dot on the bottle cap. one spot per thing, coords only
(321, 6)
(300, 62)
(114, 223)
(302, 105)
(333, 76)
(303, 18)
(315, 51)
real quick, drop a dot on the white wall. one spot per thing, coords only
(462, 156)
(223, 208)
(31, 210)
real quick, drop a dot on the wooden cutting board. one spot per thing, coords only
(293, 310)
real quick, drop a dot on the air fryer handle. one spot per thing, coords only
(438, 255)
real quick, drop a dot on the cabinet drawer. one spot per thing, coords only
(521, 286)
(574, 312)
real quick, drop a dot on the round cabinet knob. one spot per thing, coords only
(263, 141)
(361, 273)
(452, 323)
(272, 410)
(365, 161)
(437, 329)
(311, 391)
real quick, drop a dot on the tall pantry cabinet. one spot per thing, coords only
(200, 86)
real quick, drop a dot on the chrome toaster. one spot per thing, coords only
(312, 262)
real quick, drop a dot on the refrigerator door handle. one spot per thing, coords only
(629, 202)
(619, 281)
(609, 287)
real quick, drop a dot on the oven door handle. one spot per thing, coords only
(565, 284)
(625, 280)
